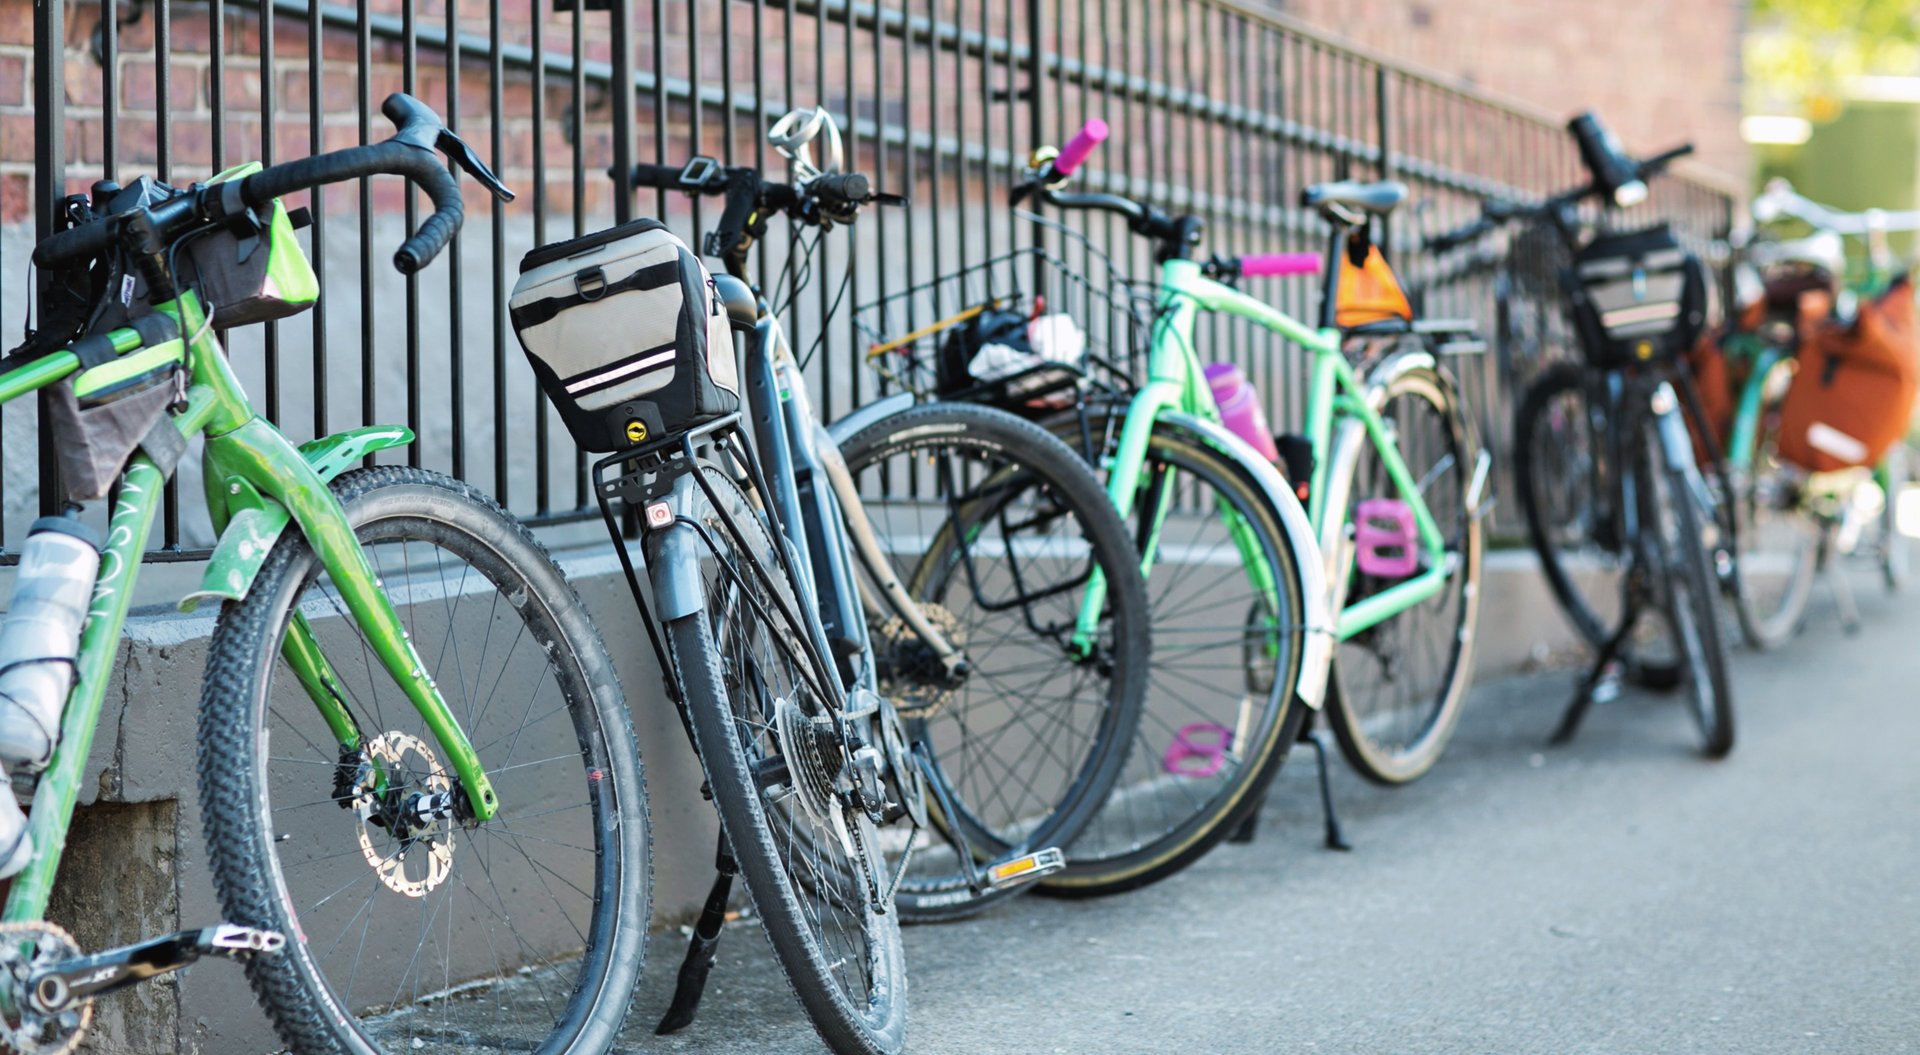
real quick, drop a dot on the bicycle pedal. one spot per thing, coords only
(1018, 871)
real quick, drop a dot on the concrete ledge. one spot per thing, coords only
(136, 865)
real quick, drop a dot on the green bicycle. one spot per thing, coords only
(1796, 521)
(399, 683)
(1404, 634)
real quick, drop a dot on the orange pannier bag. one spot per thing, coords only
(1719, 379)
(1853, 395)
(1369, 292)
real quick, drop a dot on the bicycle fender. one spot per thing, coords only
(673, 558)
(1317, 658)
(256, 521)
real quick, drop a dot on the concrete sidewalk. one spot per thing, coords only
(1620, 895)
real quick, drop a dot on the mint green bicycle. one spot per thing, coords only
(1797, 522)
(421, 791)
(1250, 604)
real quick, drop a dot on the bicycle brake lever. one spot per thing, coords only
(457, 149)
(881, 198)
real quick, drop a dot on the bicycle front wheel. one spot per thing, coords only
(1686, 581)
(774, 747)
(1777, 539)
(1228, 639)
(1568, 493)
(1398, 686)
(409, 929)
(995, 528)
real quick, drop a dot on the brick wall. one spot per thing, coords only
(192, 151)
(1659, 71)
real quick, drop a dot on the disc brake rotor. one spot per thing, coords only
(409, 857)
(25, 948)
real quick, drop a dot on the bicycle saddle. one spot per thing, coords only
(1348, 200)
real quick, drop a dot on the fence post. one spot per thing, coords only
(1036, 116)
(49, 178)
(1383, 120)
(623, 88)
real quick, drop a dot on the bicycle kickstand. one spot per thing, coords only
(1336, 839)
(1585, 695)
(704, 946)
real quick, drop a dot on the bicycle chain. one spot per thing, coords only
(23, 1031)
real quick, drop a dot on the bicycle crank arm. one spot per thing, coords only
(57, 987)
(997, 875)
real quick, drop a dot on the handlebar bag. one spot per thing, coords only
(1640, 296)
(626, 334)
(255, 277)
(1853, 395)
(243, 275)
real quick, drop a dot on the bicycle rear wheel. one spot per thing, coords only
(1398, 686)
(995, 527)
(528, 927)
(1688, 586)
(770, 734)
(1221, 710)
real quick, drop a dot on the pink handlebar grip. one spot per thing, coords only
(1260, 264)
(1091, 135)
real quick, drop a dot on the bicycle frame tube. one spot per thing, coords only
(1746, 420)
(270, 465)
(1334, 391)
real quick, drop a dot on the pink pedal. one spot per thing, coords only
(1386, 539)
(1198, 750)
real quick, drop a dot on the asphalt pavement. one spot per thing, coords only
(1619, 895)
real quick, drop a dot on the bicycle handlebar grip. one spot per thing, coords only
(1446, 240)
(1259, 265)
(434, 234)
(841, 189)
(659, 177)
(1080, 147)
(1661, 160)
(74, 246)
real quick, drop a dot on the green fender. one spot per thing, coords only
(255, 521)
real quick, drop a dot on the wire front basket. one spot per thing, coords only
(1023, 331)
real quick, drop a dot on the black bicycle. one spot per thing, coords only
(1625, 521)
(845, 665)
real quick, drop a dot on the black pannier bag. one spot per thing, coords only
(1644, 297)
(626, 334)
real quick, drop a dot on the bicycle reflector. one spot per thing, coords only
(1614, 175)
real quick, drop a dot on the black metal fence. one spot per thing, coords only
(1217, 108)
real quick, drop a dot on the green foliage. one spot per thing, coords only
(1800, 53)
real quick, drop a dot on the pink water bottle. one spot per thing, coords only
(1240, 408)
